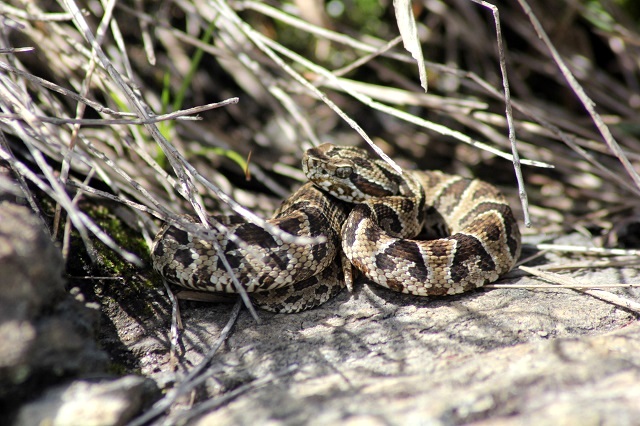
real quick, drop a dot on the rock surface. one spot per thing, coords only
(512, 356)
(595, 380)
(81, 402)
(48, 335)
(44, 333)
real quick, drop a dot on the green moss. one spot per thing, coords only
(128, 280)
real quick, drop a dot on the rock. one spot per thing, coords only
(571, 381)
(595, 380)
(498, 356)
(31, 266)
(85, 403)
(45, 334)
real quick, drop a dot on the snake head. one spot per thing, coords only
(349, 173)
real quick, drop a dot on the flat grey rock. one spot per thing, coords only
(46, 335)
(86, 403)
(512, 356)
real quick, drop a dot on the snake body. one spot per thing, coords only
(417, 232)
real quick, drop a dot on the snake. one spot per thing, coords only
(425, 233)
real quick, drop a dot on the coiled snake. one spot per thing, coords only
(419, 232)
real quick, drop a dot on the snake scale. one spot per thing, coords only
(417, 232)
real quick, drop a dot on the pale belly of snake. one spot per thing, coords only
(472, 236)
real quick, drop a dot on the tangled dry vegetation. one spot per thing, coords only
(85, 87)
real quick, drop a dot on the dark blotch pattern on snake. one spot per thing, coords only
(367, 213)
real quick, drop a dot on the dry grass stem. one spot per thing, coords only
(569, 282)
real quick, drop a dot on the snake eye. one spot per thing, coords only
(344, 172)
